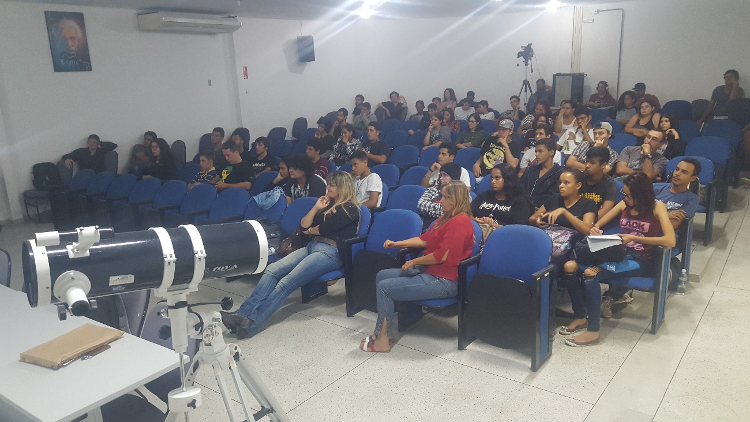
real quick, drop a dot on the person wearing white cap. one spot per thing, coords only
(602, 133)
(499, 148)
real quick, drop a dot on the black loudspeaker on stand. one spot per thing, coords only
(568, 86)
(306, 48)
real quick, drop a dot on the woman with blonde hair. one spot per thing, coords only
(334, 218)
(434, 274)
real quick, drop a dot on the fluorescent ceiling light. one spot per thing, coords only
(552, 5)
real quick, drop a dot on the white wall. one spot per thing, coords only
(140, 81)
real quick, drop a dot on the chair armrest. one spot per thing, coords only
(544, 272)
(404, 252)
(373, 210)
(354, 240)
(193, 214)
(168, 207)
(463, 282)
(112, 199)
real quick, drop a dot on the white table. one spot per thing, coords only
(41, 394)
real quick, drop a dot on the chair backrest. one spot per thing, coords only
(144, 190)
(281, 148)
(65, 172)
(99, 184)
(111, 161)
(390, 125)
(262, 181)
(454, 136)
(5, 266)
(170, 193)
(392, 225)
(622, 140)
(410, 125)
(483, 185)
(405, 156)
(417, 138)
(698, 108)
(255, 212)
(388, 173)
(466, 157)
(727, 129)
(679, 108)
(406, 198)
(299, 148)
(464, 125)
(299, 126)
(516, 251)
(619, 191)
(204, 144)
(346, 167)
(81, 180)
(617, 127)
(396, 138)
(714, 148)
(199, 198)
(294, 213)
(179, 151)
(121, 186)
(413, 175)
(599, 115)
(489, 126)
(188, 171)
(706, 175)
(386, 194)
(229, 203)
(46, 176)
(429, 156)
(308, 134)
(689, 130)
(278, 133)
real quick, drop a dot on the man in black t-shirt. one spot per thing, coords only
(324, 127)
(262, 161)
(599, 187)
(237, 173)
(377, 151)
(395, 107)
(503, 146)
(303, 182)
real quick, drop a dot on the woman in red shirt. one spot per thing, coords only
(446, 243)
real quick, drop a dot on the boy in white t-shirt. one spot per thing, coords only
(581, 131)
(368, 185)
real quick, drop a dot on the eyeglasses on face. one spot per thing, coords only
(625, 195)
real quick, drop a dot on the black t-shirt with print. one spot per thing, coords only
(582, 207)
(260, 164)
(376, 148)
(237, 173)
(605, 190)
(508, 211)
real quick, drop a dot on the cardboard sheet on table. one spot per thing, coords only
(54, 353)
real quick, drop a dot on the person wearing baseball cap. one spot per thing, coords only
(602, 134)
(640, 92)
(722, 95)
(502, 147)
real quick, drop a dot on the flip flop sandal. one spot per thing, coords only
(369, 346)
(571, 342)
(565, 331)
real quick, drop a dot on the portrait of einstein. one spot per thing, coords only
(67, 41)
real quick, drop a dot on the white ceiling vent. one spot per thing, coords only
(187, 22)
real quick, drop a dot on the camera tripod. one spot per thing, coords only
(526, 85)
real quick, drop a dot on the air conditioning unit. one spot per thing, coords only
(187, 22)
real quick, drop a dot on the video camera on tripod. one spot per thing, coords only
(527, 53)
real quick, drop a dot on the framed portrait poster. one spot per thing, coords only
(67, 41)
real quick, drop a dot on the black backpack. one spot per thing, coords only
(46, 176)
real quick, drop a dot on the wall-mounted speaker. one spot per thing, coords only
(306, 48)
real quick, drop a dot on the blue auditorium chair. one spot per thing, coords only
(719, 151)
(413, 176)
(121, 215)
(255, 212)
(429, 156)
(689, 130)
(396, 138)
(262, 181)
(389, 173)
(116, 194)
(405, 156)
(60, 199)
(197, 202)
(281, 148)
(228, 206)
(390, 125)
(80, 203)
(622, 140)
(188, 171)
(466, 157)
(167, 200)
(276, 134)
(417, 139)
(410, 125)
(679, 108)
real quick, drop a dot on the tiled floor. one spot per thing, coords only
(694, 369)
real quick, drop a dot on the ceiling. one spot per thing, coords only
(325, 9)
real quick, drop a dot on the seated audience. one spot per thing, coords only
(529, 155)
(542, 107)
(341, 115)
(640, 94)
(217, 140)
(673, 145)
(484, 111)
(241, 137)
(208, 171)
(581, 131)
(91, 157)
(642, 219)
(424, 124)
(237, 173)
(515, 112)
(566, 119)
(368, 186)
(471, 95)
(436, 133)
(139, 159)
(680, 202)
(359, 100)
(345, 146)
(303, 181)
(464, 110)
(602, 134)
(722, 96)
(474, 136)
(281, 179)
(540, 181)
(502, 147)
(419, 106)
(324, 127)
(377, 151)
(647, 119)
(540, 121)
(321, 166)
(448, 242)
(598, 186)
(625, 108)
(449, 100)
(543, 93)
(429, 203)
(506, 203)
(333, 218)
(449, 120)
(602, 97)
(162, 165)
(446, 155)
(643, 158)
(262, 162)
(395, 107)
(363, 119)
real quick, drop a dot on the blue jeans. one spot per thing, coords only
(285, 276)
(389, 287)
